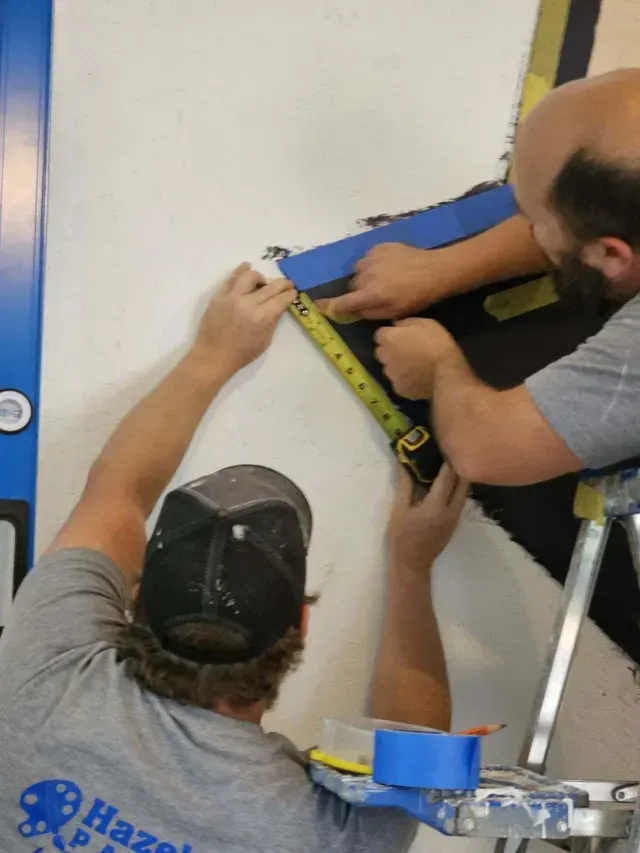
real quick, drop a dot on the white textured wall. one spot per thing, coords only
(617, 37)
(189, 135)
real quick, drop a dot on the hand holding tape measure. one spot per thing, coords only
(412, 444)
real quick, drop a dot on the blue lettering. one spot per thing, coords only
(122, 833)
(187, 848)
(108, 849)
(100, 816)
(143, 843)
(165, 847)
(80, 839)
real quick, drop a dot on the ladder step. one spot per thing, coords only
(510, 802)
(606, 791)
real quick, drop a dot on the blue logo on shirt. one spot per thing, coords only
(53, 804)
(49, 806)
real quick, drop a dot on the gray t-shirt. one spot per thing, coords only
(89, 761)
(591, 398)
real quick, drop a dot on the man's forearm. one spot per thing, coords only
(507, 251)
(410, 682)
(493, 437)
(146, 449)
(144, 452)
(461, 414)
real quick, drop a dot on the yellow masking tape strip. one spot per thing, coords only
(340, 764)
(589, 503)
(533, 90)
(545, 52)
(521, 299)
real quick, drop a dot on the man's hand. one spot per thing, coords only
(144, 452)
(409, 353)
(239, 323)
(410, 681)
(393, 281)
(419, 531)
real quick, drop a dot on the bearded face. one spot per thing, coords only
(578, 282)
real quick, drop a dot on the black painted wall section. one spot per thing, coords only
(578, 42)
(539, 517)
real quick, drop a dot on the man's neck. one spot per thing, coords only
(252, 714)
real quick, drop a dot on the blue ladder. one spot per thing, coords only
(25, 59)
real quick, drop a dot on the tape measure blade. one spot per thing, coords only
(370, 392)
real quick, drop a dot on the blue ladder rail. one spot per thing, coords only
(510, 802)
(25, 60)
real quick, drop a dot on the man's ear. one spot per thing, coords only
(304, 620)
(615, 259)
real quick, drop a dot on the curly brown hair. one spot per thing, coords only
(206, 685)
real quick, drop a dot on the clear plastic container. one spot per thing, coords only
(348, 743)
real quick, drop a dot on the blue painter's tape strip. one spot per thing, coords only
(426, 760)
(25, 60)
(444, 224)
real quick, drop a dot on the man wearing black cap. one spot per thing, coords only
(131, 701)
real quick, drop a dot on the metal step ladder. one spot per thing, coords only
(517, 804)
(604, 497)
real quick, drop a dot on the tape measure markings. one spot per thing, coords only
(394, 423)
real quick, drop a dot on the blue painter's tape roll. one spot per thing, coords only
(426, 760)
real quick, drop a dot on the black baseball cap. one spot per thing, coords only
(229, 549)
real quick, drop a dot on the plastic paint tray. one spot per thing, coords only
(348, 744)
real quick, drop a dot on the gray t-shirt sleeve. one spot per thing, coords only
(69, 609)
(591, 398)
(72, 599)
(344, 828)
(358, 829)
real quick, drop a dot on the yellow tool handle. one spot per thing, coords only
(372, 394)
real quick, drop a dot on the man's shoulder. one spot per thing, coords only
(634, 303)
(617, 342)
(628, 313)
(81, 558)
(71, 605)
(74, 571)
(320, 820)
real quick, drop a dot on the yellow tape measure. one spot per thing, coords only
(372, 394)
(411, 443)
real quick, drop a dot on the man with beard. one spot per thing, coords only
(577, 184)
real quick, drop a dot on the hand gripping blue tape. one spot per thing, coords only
(426, 760)
(426, 230)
